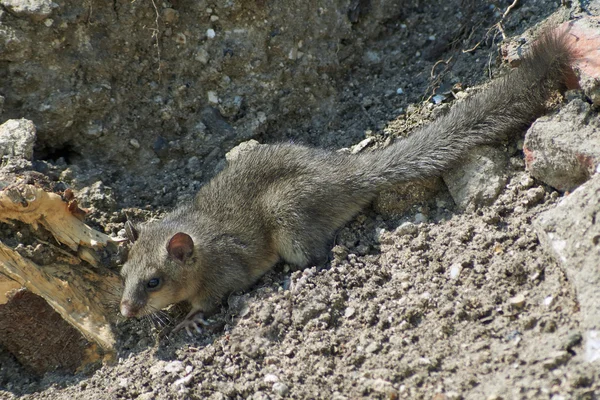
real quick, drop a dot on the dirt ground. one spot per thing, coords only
(436, 303)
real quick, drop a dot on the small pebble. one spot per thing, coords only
(592, 346)
(212, 97)
(574, 339)
(134, 143)
(202, 56)
(555, 359)
(280, 389)
(373, 347)
(438, 99)
(170, 15)
(548, 301)
(210, 33)
(357, 148)
(518, 301)
(183, 381)
(174, 366)
(534, 195)
(349, 312)
(526, 182)
(271, 378)
(406, 229)
(455, 270)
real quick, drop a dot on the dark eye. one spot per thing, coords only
(153, 283)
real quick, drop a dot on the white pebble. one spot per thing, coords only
(183, 381)
(518, 301)
(455, 270)
(212, 97)
(174, 366)
(406, 228)
(271, 378)
(357, 148)
(134, 143)
(592, 346)
(210, 33)
(548, 301)
(526, 182)
(438, 98)
(399, 91)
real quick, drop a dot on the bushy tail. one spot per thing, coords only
(506, 107)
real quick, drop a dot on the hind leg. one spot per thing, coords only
(302, 249)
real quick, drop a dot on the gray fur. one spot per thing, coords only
(285, 201)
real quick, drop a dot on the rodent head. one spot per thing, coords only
(157, 272)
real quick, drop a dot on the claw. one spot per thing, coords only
(195, 322)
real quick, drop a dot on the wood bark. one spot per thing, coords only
(77, 286)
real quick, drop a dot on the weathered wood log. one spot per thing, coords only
(80, 294)
(35, 206)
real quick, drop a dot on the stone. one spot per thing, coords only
(281, 389)
(17, 137)
(571, 233)
(36, 10)
(479, 179)
(241, 148)
(563, 150)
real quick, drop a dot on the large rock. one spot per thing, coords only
(37, 10)
(17, 137)
(479, 178)
(571, 232)
(563, 150)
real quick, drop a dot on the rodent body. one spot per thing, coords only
(286, 201)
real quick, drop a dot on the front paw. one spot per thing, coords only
(192, 323)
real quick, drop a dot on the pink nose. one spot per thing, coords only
(127, 310)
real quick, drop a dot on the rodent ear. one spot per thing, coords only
(131, 232)
(180, 247)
